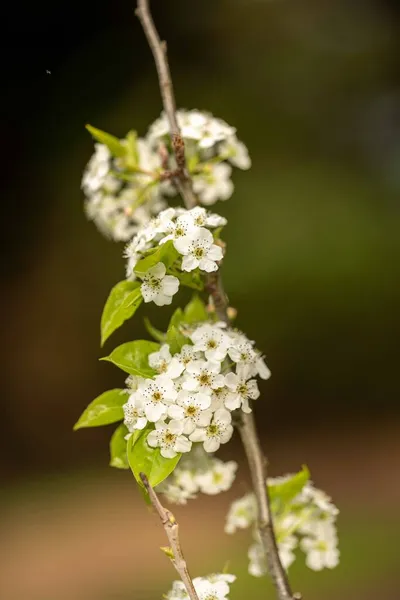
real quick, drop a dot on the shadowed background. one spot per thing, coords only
(312, 266)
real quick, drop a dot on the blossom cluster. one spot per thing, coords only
(190, 232)
(198, 472)
(123, 192)
(212, 587)
(195, 391)
(308, 521)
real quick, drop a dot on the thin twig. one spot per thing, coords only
(174, 552)
(247, 428)
(159, 50)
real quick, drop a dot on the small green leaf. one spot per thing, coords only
(165, 253)
(174, 337)
(132, 156)
(105, 409)
(143, 458)
(284, 492)
(158, 335)
(196, 310)
(122, 303)
(191, 280)
(132, 357)
(118, 443)
(112, 143)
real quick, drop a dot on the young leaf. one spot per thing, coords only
(112, 143)
(158, 335)
(118, 456)
(132, 357)
(105, 409)
(132, 156)
(287, 490)
(143, 458)
(195, 311)
(174, 337)
(122, 302)
(165, 253)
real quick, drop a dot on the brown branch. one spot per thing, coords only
(174, 551)
(247, 428)
(159, 50)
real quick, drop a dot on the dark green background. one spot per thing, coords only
(313, 234)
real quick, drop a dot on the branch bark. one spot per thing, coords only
(174, 552)
(214, 285)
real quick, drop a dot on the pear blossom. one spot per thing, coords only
(218, 478)
(187, 355)
(242, 514)
(203, 376)
(163, 362)
(218, 432)
(211, 587)
(203, 218)
(199, 250)
(169, 438)
(156, 394)
(213, 183)
(97, 169)
(212, 341)
(236, 152)
(159, 287)
(182, 227)
(241, 391)
(134, 415)
(321, 550)
(192, 409)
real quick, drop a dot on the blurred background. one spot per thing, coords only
(313, 267)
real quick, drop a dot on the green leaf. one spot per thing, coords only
(284, 492)
(118, 443)
(196, 310)
(122, 303)
(165, 253)
(158, 335)
(191, 280)
(132, 357)
(174, 337)
(105, 409)
(112, 143)
(143, 458)
(132, 155)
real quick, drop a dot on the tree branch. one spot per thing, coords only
(247, 428)
(159, 50)
(174, 552)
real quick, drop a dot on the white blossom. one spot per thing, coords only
(213, 183)
(236, 152)
(218, 478)
(199, 250)
(211, 587)
(321, 549)
(212, 341)
(134, 415)
(156, 394)
(159, 287)
(193, 409)
(203, 218)
(203, 376)
(97, 169)
(241, 391)
(163, 362)
(219, 431)
(242, 514)
(169, 438)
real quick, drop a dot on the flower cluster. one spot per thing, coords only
(197, 472)
(119, 206)
(307, 521)
(212, 587)
(192, 397)
(211, 148)
(124, 191)
(190, 232)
